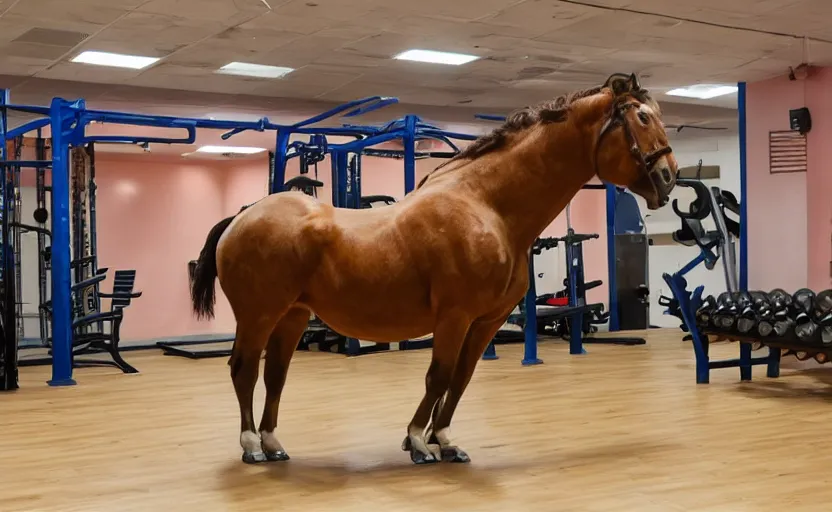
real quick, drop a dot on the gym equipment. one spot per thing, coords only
(573, 317)
(68, 121)
(89, 334)
(798, 324)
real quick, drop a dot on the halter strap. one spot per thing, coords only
(645, 161)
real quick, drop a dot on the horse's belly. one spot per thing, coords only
(374, 318)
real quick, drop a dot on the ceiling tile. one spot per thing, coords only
(537, 17)
(229, 13)
(90, 12)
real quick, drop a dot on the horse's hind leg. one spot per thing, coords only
(448, 337)
(245, 366)
(282, 344)
(477, 339)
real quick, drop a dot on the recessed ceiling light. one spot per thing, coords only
(703, 91)
(256, 70)
(240, 150)
(116, 60)
(435, 57)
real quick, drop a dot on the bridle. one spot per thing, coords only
(661, 179)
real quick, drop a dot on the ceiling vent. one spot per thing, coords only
(51, 37)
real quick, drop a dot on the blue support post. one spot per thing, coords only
(530, 328)
(280, 159)
(743, 270)
(490, 353)
(340, 160)
(611, 280)
(409, 140)
(61, 274)
(576, 335)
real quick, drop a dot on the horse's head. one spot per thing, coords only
(632, 148)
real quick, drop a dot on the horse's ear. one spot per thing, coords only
(619, 83)
(634, 83)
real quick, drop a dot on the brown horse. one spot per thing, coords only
(450, 259)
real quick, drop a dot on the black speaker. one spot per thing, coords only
(800, 120)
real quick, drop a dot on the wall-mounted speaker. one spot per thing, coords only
(800, 120)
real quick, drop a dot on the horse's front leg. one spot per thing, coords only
(448, 338)
(479, 335)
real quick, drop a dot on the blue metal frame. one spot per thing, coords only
(576, 345)
(743, 266)
(68, 121)
(611, 266)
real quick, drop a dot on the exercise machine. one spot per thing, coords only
(567, 313)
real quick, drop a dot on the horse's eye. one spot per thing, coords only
(644, 118)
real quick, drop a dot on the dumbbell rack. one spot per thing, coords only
(710, 202)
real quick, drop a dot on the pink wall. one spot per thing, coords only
(789, 214)
(154, 211)
(819, 180)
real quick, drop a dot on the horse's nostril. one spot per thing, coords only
(666, 175)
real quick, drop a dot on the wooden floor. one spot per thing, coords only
(619, 429)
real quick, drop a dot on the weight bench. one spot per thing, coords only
(100, 340)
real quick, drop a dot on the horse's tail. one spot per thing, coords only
(203, 295)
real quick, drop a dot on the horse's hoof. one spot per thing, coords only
(422, 458)
(254, 458)
(278, 456)
(454, 454)
(415, 455)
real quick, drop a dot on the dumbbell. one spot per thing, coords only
(726, 311)
(803, 300)
(704, 314)
(803, 305)
(822, 315)
(765, 316)
(779, 299)
(747, 318)
(780, 304)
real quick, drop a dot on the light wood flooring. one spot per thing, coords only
(618, 429)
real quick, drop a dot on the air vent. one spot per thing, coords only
(51, 37)
(534, 72)
(787, 152)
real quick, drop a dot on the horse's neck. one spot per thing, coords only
(531, 183)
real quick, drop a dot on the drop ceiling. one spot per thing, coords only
(530, 50)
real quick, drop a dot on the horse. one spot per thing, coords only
(450, 259)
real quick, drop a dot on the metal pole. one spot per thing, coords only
(278, 177)
(8, 362)
(530, 328)
(614, 324)
(409, 154)
(741, 101)
(40, 197)
(61, 275)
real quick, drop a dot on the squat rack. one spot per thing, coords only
(68, 121)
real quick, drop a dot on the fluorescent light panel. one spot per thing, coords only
(436, 57)
(116, 60)
(255, 70)
(240, 150)
(703, 91)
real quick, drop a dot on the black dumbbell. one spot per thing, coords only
(704, 314)
(805, 328)
(803, 307)
(803, 300)
(822, 306)
(780, 306)
(765, 318)
(726, 311)
(748, 317)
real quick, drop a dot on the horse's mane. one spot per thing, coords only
(551, 111)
